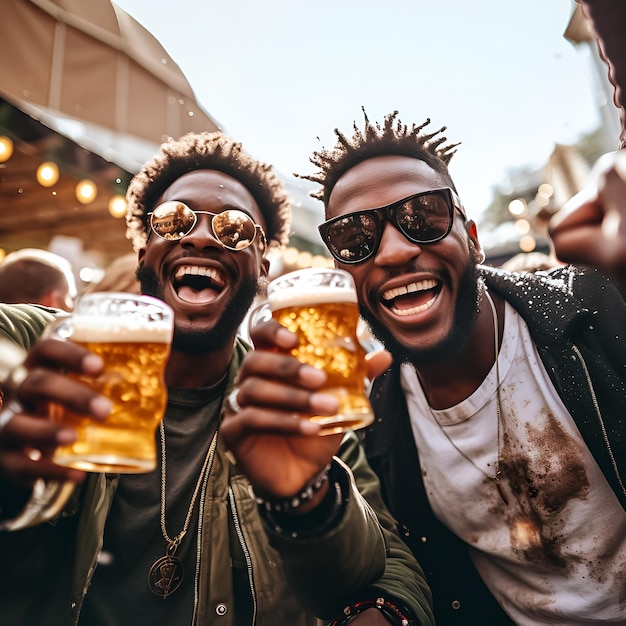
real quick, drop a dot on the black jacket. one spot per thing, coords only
(577, 319)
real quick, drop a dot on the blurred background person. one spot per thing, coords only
(118, 276)
(591, 228)
(36, 276)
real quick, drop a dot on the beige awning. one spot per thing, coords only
(90, 60)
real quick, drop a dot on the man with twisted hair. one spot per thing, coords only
(499, 439)
(201, 215)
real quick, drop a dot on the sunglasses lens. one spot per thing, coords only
(353, 238)
(425, 218)
(234, 229)
(172, 220)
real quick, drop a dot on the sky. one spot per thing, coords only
(281, 75)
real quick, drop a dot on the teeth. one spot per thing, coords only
(422, 285)
(197, 270)
(415, 309)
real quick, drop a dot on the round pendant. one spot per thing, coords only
(165, 576)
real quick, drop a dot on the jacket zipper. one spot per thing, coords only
(196, 591)
(607, 443)
(246, 552)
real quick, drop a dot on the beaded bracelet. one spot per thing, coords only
(286, 505)
(389, 610)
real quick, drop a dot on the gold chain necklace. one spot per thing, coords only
(167, 573)
(496, 476)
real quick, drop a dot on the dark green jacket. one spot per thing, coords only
(52, 563)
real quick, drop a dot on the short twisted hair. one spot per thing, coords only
(393, 138)
(210, 151)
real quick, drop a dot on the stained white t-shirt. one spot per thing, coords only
(556, 553)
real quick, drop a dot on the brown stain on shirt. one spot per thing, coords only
(544, 473)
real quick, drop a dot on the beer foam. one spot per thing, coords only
(103, 329)
(294, 296)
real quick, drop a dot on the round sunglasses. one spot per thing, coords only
(234, 229)
(422, 218)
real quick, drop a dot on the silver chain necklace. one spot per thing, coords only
(496, 476)
(167, 573)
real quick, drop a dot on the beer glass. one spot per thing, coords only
(320, 306)
(132, 334)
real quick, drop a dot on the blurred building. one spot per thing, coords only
(580, 33)
(305, 247)
(88, 100)
(525, 202)
(86, 96)
(82, 106)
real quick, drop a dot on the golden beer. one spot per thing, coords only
(324, 317)
(134, 355)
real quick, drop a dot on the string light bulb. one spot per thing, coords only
(517, 207)
(6, 148)
(117, 206)
(86, 191)
(527, 243)
(48, 174)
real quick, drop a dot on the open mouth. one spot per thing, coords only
(412, 298)
(198, 285)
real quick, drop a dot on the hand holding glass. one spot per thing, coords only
(320, 306)
(132, 334)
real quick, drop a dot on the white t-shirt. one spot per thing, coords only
(556, 553)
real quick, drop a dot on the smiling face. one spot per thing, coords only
(420, 300)
(209, 287)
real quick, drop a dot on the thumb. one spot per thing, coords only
(377, 362)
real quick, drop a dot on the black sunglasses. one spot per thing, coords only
(422, 218)
(234, 229)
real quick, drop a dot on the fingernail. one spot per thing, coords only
(100, 407)
(309, 428)
(285, 338)
(323, 403)
(310, 375)
(66, 436)
(92, 364)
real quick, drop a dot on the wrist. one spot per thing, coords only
(394, 614)
(320, 520)
(293, 503)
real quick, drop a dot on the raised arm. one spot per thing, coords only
(27, 438)
(339, 546)
(591, 228)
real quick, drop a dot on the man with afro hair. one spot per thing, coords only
(188, 543)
